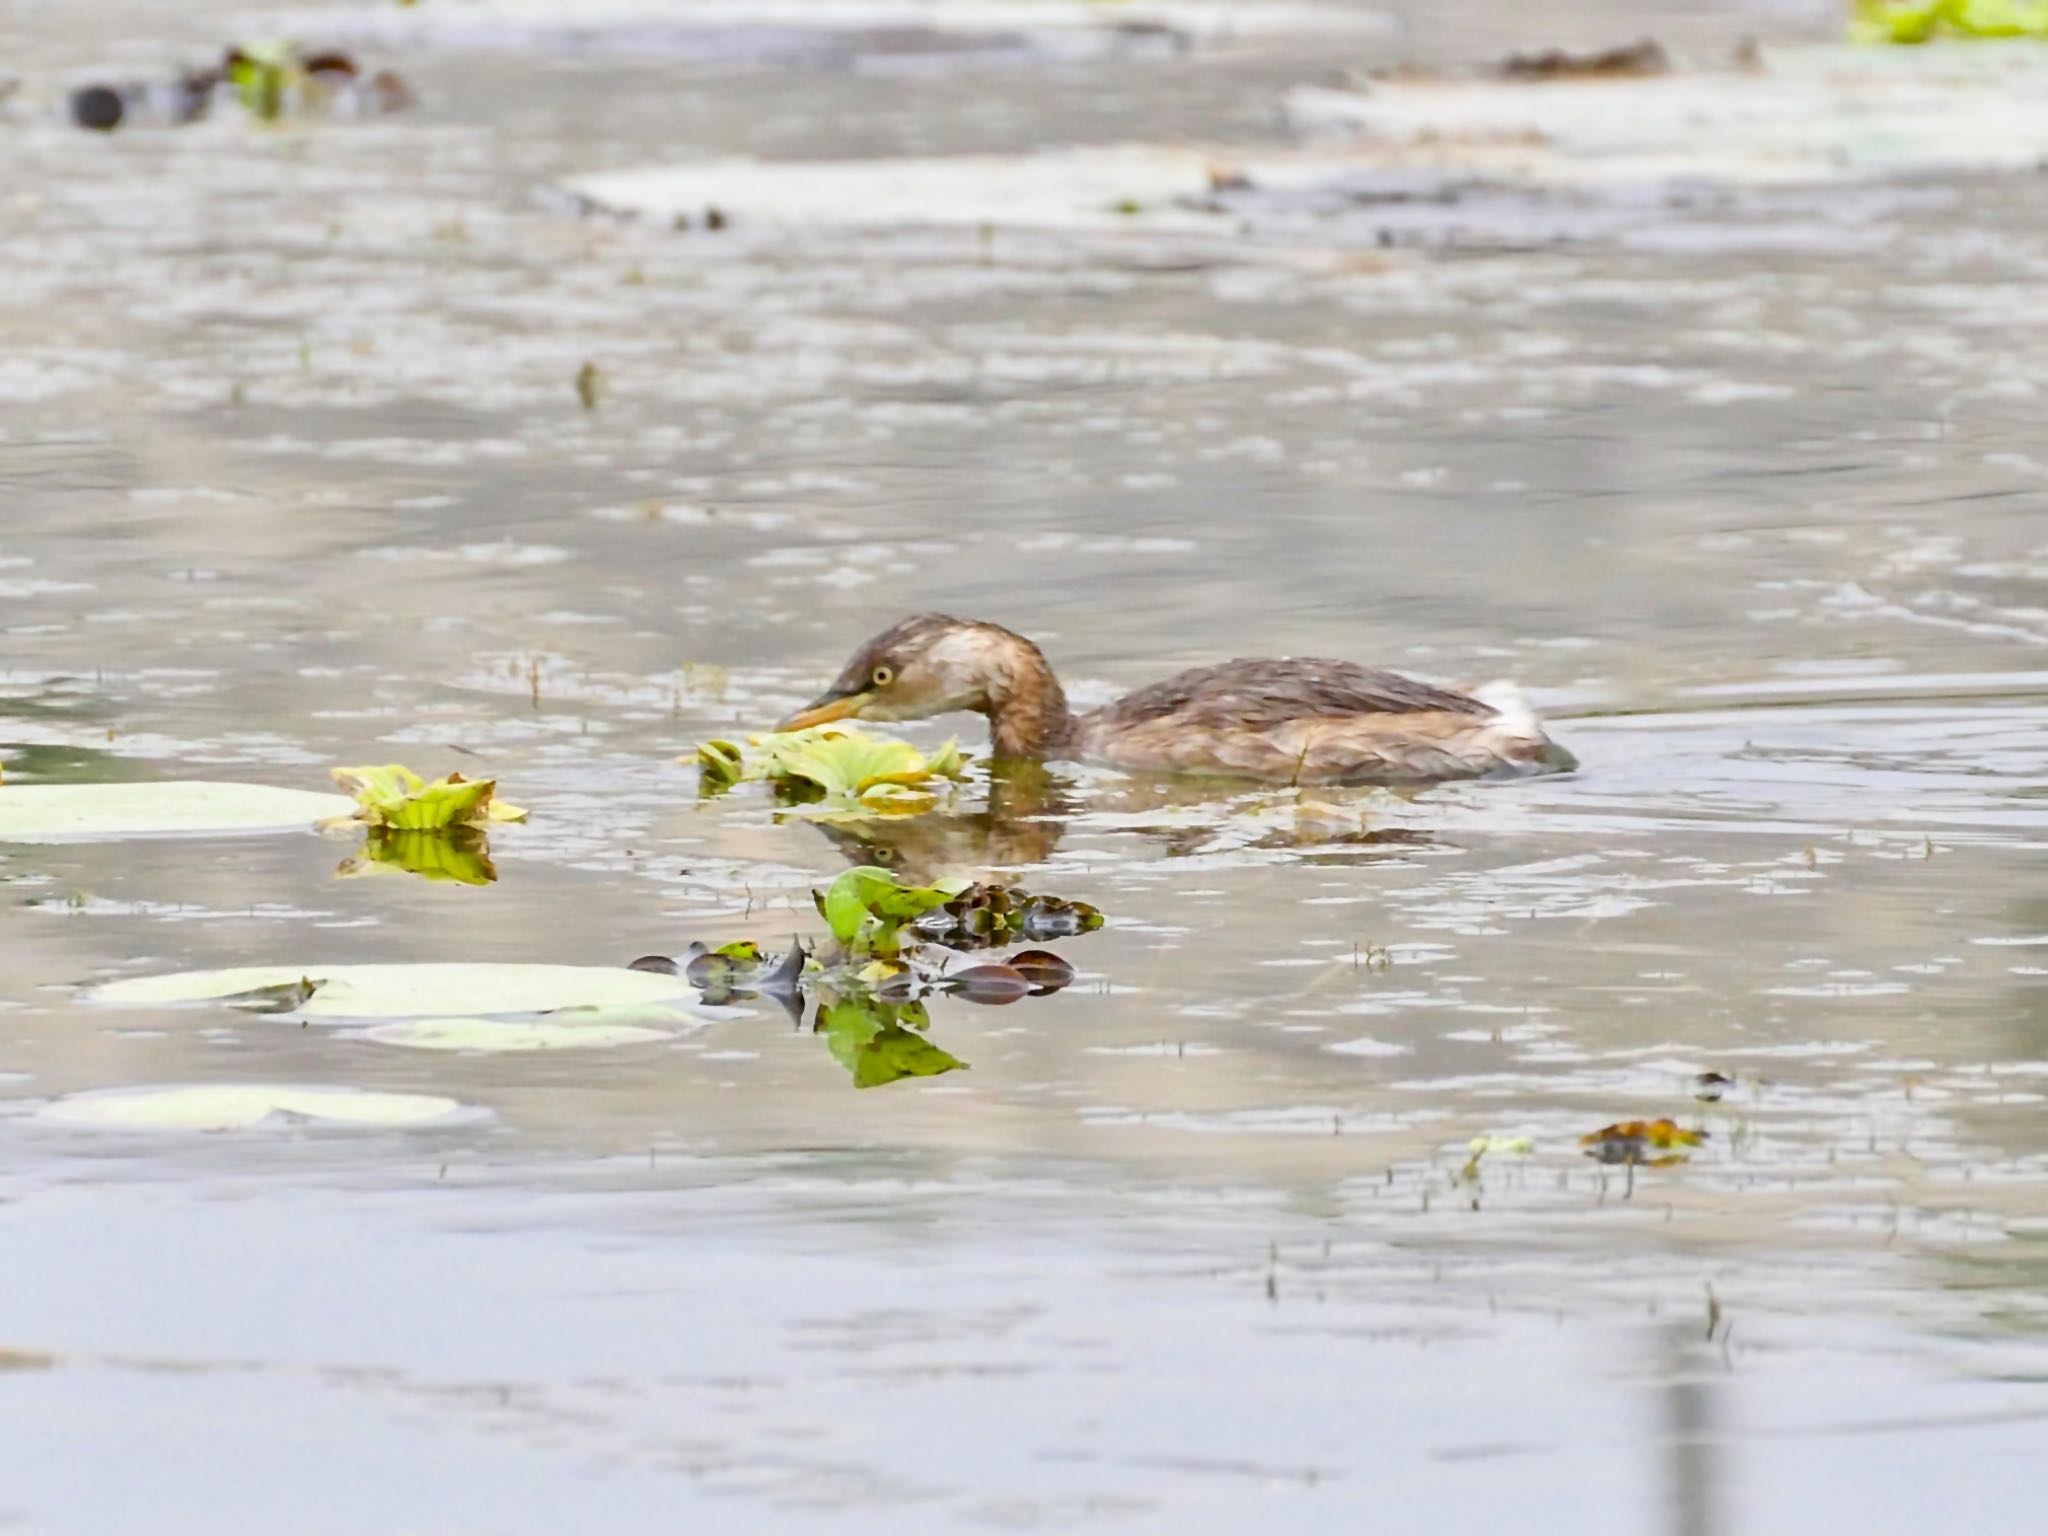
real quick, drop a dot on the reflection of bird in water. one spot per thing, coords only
(1301, 720)
(1022, 825)
(1029, 810)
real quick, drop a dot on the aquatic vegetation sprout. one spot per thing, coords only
(396, 797)
(1920, 21)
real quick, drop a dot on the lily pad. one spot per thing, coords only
(246, 1106)
(41, 813)
(501, 1035)
(1074, 188)
(446, 989)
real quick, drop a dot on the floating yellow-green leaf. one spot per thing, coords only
(245, 1106)
(499, 1035)
(38, 813)
(1922, 21)
(445, 989)
(849, 771)
(1482, 1146)
(395, 796)
(262, 75)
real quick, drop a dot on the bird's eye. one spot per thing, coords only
(884, 676)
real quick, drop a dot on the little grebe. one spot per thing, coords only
(1301, 720)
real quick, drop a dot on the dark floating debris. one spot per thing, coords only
(280, 997)
(98, 107)
(991, 916)
(1046, 971)
(270, 81)
(1708, 1087)
(1630, 61)
(1643, 59)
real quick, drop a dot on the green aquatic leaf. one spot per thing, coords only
(246, 1106)
(865, 905)
(262, 75)
(445, 989)
(40, 813)
(720, 765)
(394, 796)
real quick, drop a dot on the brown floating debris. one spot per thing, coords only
(1631, 61)
(1634, 1141)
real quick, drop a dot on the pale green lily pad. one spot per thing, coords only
(498, 1035)
(447, 989)
(245, 1106)
(41, 813)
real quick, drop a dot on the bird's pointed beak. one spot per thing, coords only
(826, 709)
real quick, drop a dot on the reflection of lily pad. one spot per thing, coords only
(498, 1035)
(242, 1106)
(461, 855)
(443, 990)
(35, 813)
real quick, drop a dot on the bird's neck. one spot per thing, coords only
(1027, 709)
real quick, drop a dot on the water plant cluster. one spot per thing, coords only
(891, 947)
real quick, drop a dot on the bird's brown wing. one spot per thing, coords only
(1261, 694)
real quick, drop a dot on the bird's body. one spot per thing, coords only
(1300, 720)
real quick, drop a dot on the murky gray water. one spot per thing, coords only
(1746, 490)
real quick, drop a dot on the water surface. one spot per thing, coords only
(1747, 492)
